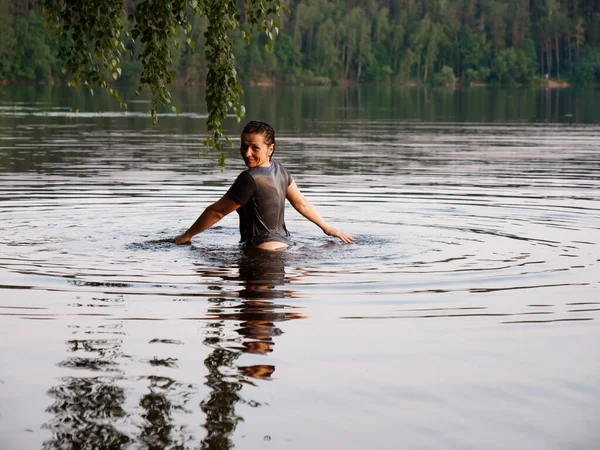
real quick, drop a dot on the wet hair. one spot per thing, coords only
(258, 127)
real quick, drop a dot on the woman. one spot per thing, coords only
(258, 195)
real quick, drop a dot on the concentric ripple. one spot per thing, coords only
(434, 208)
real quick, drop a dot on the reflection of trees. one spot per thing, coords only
(85, 409)
(357, 113)
(157, 432)
(260, 273)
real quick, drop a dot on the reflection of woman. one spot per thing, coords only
(258, 195)
(254, 319)
(259, 311)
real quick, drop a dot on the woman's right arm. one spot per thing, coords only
(303, 206)
(208, 218)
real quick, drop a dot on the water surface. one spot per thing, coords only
(464, 316)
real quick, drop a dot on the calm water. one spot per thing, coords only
(465, 316)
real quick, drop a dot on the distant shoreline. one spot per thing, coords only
(557, 84)
(265, 83)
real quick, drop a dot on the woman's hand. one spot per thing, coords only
(183, 239)
(330, 231)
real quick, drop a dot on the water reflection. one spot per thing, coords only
(260, 275)
(89, 410)
(41, 133)
(158, 430)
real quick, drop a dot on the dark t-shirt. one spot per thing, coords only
(261, 192)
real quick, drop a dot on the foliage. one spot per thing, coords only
(504, 66)
(444, 77)
(34, 59)
(155, 42)
(93, 41)
(588, 67)
(526, 62)
(7, 39)
(477, 76)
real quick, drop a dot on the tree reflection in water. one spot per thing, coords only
(260, 273)
(88, 411)
(158, 429)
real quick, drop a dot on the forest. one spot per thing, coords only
(436, 42)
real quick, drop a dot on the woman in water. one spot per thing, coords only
(258, 195)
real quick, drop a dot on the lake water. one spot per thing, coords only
(465, 315)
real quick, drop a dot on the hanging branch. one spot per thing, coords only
(91, 36)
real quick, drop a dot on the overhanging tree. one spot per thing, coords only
(93, 37)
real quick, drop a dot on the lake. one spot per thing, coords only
(464, 316)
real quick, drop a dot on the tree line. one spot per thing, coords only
(336, 41)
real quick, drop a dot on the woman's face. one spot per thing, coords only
(255, 151)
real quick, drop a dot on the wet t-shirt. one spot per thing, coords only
(261, 192)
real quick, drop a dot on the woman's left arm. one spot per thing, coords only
(303, 206)
(208, 218)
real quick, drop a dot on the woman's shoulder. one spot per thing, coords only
(279, 166)
(245, 177)
(282, 173)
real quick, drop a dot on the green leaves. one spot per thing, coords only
(223, 90)
(89, 34)
(155, 25)
(262, 13)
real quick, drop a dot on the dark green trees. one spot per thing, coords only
(26, 51)
(321, 42)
